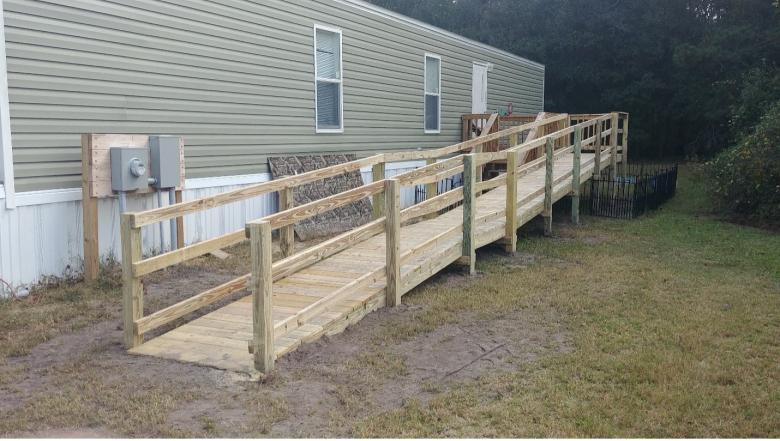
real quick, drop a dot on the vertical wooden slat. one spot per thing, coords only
(548, 187)
(510, 235)
(468, 256)
(287, 233)
(262, 291)
(89, 213)
(393, 241)
(575, 179)
(378, 200)
(613, 146)
(179, 221)
(132, 289)
(597, 149)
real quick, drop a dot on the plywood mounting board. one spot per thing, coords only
(97, 147)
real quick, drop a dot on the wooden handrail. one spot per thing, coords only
(134, 267)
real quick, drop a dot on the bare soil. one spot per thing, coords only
(83, 384)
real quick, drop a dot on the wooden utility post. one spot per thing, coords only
(262, 292)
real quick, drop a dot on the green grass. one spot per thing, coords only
(675, 320)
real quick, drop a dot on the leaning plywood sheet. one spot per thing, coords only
(334, 221)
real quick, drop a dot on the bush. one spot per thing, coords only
(745, 179)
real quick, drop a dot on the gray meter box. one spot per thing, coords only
(129, 170)
(165, 159)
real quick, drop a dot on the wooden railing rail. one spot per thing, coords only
(606, 136)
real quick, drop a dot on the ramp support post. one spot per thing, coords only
(393, 241)
(576, 186)
(378, 199)
(262, 291)
(510, 236)
(469, 256)
(548, 187)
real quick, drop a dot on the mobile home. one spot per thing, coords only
(239, 80)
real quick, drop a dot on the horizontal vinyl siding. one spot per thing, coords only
(234, 77)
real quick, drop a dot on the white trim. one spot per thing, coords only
(425, 94)
(2, 191)
(340, 81)
(385, 13)
(42, 197)
(6, 156)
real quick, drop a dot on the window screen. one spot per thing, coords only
(432, 94)
(329, 94)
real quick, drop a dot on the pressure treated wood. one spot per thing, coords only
(219, 338)
(262, 291)
(132, 290)
(287, 233)
(393, 242)
(576, 187)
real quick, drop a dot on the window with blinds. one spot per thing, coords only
(329, 96)
(432, 94)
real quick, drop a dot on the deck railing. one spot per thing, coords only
(466, 157)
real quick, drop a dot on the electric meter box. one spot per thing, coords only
(165, 161)
(129, 168)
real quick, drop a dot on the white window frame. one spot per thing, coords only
(425, 93)
(340, 81)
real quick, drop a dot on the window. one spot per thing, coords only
(329, 94)
(432, 94)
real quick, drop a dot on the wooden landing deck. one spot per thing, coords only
(220, 338)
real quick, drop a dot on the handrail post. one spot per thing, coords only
(287, 233)
(624, 155)
(431, 190)
(613, 146)
(262, 291)
(378, 199)
(393, 242)
(468, 255)
(132, 289)
(510, 236)
(548, 187)
(576, 185)
(597, 149)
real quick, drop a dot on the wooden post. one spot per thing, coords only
(625, 144)
(548, 188)
(597, 149)
(132, 290)
(262, 291)
(287, 233)
(378, 200)
(469, 256)
(179, 222)
(613, 146)
(431, 190)
(510, 236)
(393, 242)
(89, 213)
(575, 177)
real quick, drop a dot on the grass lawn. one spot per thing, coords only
(675, 320)
(671, 325)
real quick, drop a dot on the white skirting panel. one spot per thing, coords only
(43, 236)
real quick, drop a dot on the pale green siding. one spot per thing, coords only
(235, 78)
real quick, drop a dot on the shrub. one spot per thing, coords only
(745, 179)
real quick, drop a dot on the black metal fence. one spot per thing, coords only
(633, 192)
(443, 187)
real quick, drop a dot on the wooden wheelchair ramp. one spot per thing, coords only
(221, 338)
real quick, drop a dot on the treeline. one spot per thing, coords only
(694, 74)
